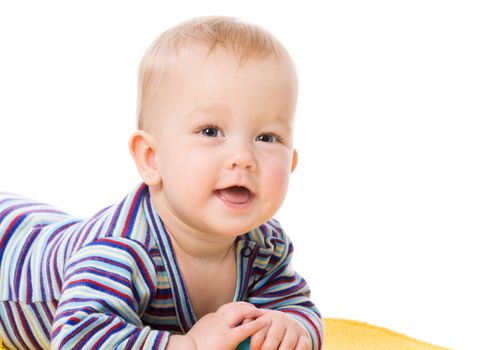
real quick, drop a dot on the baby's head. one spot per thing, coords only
(206, 34)
(216, 107)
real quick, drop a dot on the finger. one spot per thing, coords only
(257, 338)
(274, 336)
(234, 304)
(246, 320)
(235, 315)
(289, 342)
(238, 316)
(304, 343)
(244, 331)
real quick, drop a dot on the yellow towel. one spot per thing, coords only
(352, 335)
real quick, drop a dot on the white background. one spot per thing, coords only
(385, 206)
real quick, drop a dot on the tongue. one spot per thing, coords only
(236, 195)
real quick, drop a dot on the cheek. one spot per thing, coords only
(276, 178)
(188, 172)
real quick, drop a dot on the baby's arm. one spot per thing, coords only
(281, 289)
(108, 285)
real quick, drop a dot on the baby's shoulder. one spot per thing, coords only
(22, 213)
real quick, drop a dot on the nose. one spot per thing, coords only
(241, 157)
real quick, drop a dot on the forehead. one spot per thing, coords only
(203, 79)
(198, 56)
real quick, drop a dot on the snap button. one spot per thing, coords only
(246, 251)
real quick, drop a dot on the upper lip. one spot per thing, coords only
(248, 187)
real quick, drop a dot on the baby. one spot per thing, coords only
(191, 258)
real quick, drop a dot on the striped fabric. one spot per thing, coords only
(112, 281)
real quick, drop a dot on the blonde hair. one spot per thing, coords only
(244, 39)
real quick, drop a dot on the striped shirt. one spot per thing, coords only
(112, 281)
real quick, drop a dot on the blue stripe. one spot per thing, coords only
(143, 257)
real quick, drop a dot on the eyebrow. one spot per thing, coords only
(217, 109)
(224, 111)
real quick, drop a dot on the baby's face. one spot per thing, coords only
(224, 140)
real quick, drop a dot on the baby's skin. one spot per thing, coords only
(231, 126)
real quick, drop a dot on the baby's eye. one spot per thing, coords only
(267, 138)
(210, 131)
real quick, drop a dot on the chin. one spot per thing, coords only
(232, 230)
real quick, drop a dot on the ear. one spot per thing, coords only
(143, 149)
(294, 160)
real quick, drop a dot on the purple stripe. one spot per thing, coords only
(53, 244)
(148, 238)
(45, 331)
(137, 298)
(101, 259)
(55, 280)
(116, 328)
(42, 289)
(134, 208)
(6, 212)
(21, 260)
(80, 328)
(86, 336)
(115, 217)
(8, 233)
(132, 339)
(70, 312)
(269, 285)
(9, 197)
(86, 229)
(47, 312)
(18, 337)
(178, 288)
(87, 309)
(29, 291)
(103, 273)
(114, 243)
(5, 330)
(104, 289)
(26, 327)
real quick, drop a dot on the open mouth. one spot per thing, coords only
(235, 194)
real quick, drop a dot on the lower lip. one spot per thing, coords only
(236, 206)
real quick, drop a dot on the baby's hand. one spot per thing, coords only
(224, 329)
(281, 332)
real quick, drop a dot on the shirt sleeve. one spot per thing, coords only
(108, 285)
(277, 286)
